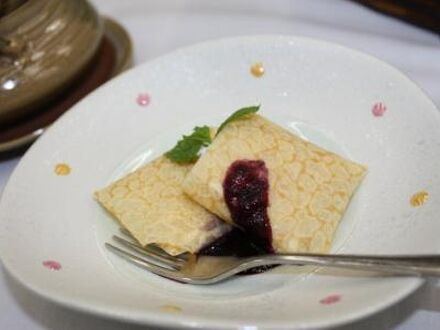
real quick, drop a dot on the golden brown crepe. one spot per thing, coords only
(309, 187)
(151, 205)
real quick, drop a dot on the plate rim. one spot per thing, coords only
(163, 320)
(167, 321)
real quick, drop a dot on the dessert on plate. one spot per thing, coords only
(289, 194)
(273, 191)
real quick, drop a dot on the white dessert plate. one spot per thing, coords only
(52, 232)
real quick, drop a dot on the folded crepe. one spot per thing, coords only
(309, 188)
(151, 205)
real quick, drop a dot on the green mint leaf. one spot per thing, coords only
(237, 115)
(187, 149)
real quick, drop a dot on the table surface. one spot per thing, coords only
(161, 26)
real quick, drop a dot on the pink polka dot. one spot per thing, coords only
(143, 99)
(379, 109)
(52, 265)
(331, 299)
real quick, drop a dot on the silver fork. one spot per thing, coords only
(210, 270)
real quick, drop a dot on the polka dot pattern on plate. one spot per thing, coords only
(378, 109)
(257, 69)
(170, 309)
(419, 198)
(52, 265)
(143, 99)
(62, 169)
(331, 299)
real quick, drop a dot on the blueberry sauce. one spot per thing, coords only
(234, 243)
(246, 190)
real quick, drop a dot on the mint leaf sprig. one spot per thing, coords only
(187, 150)
(237, 115)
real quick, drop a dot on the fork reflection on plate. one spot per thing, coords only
(202, 270)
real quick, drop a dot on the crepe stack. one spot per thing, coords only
(178, 207)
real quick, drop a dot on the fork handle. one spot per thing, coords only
(421, 265)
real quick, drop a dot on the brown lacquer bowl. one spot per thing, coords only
(44, 46)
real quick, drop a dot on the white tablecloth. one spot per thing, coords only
(158, 27)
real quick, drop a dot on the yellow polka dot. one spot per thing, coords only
(419, 198)
(170, 309)
(257, 69)
(62, 169)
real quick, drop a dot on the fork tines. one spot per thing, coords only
(150, 257)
